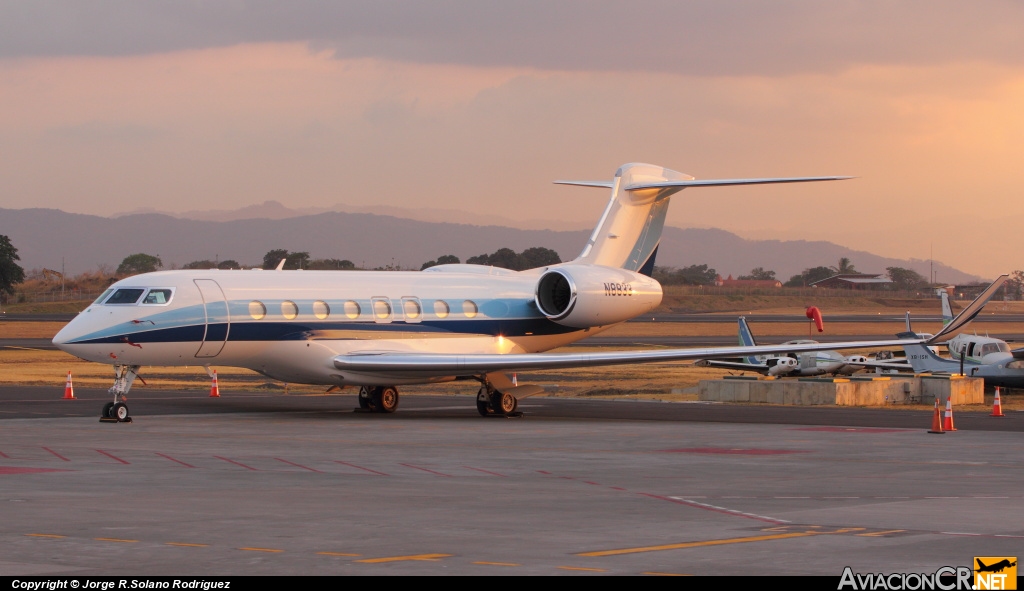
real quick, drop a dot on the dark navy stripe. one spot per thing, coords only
(297, 331)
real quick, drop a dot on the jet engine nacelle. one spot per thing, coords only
(780, 366)
(582, 296)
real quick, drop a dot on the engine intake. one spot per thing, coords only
(582, 296)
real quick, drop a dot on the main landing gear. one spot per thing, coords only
(117, 411)
(378, 398)
(491, 402)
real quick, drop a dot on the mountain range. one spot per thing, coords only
(45, 237)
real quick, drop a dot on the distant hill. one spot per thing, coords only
(44, 236)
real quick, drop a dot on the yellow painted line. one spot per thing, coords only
(593, 570)
(337, 554)
(115, 540)
(881, 533)
(497, 563)
(261, 550)
(401, 558)
(698, 544)
(45, 536)
(187, 545)
(657, 574)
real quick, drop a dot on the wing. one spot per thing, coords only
(758, 367)
(441, 364)
(882, 364)
(424, 364)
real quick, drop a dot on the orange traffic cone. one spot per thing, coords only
(997, 406)
(947, 424)
(214, 388)
(936, 419)
(69, 390)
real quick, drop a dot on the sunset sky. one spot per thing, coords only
(114, 106)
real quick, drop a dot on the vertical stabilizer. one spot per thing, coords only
(629, 231)
(947, 311)
(747, 339)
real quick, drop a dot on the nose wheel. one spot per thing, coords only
(117, 411)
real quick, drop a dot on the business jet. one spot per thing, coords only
(791, 364)
(378, 330)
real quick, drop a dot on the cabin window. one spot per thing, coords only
(289, 310)
(257, 310)
(469, 309)
(158, 297)
(441, 308)
(321, 310)
(382, 309)
(126, 296)
(411, 307)
(103, 296)
(352, 309)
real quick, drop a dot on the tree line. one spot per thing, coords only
(11, 273)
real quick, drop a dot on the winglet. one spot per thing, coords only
(970, 312)
(280, 265)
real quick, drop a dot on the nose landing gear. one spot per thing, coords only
(117, 411)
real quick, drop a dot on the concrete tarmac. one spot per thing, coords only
(254, 484)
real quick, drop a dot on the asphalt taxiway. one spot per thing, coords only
(255, 483)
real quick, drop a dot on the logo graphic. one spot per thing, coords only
(995, 572)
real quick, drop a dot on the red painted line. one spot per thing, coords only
(3, 455)
(425, 470)
(616, 488)
(56, 454)
(589, 482)
(360, 468)
(544, 472)
(112, 456)
(236, 463)
(709, 508)
(15, 470)
(174, 460)
(484, 471)
(298, 465)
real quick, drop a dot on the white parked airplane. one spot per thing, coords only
(807, 363)
(377, 330)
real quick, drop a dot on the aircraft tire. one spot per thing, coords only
(106, 412)
(483, 408)
(503, 404)
(387, 400)
(119, 412)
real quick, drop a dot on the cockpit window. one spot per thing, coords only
(125, 296)
(103, 296)
(158, 296)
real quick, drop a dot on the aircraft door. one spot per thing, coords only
(218, 321)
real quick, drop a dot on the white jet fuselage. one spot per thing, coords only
(290, 325)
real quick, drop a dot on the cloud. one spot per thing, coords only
(704, 38)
